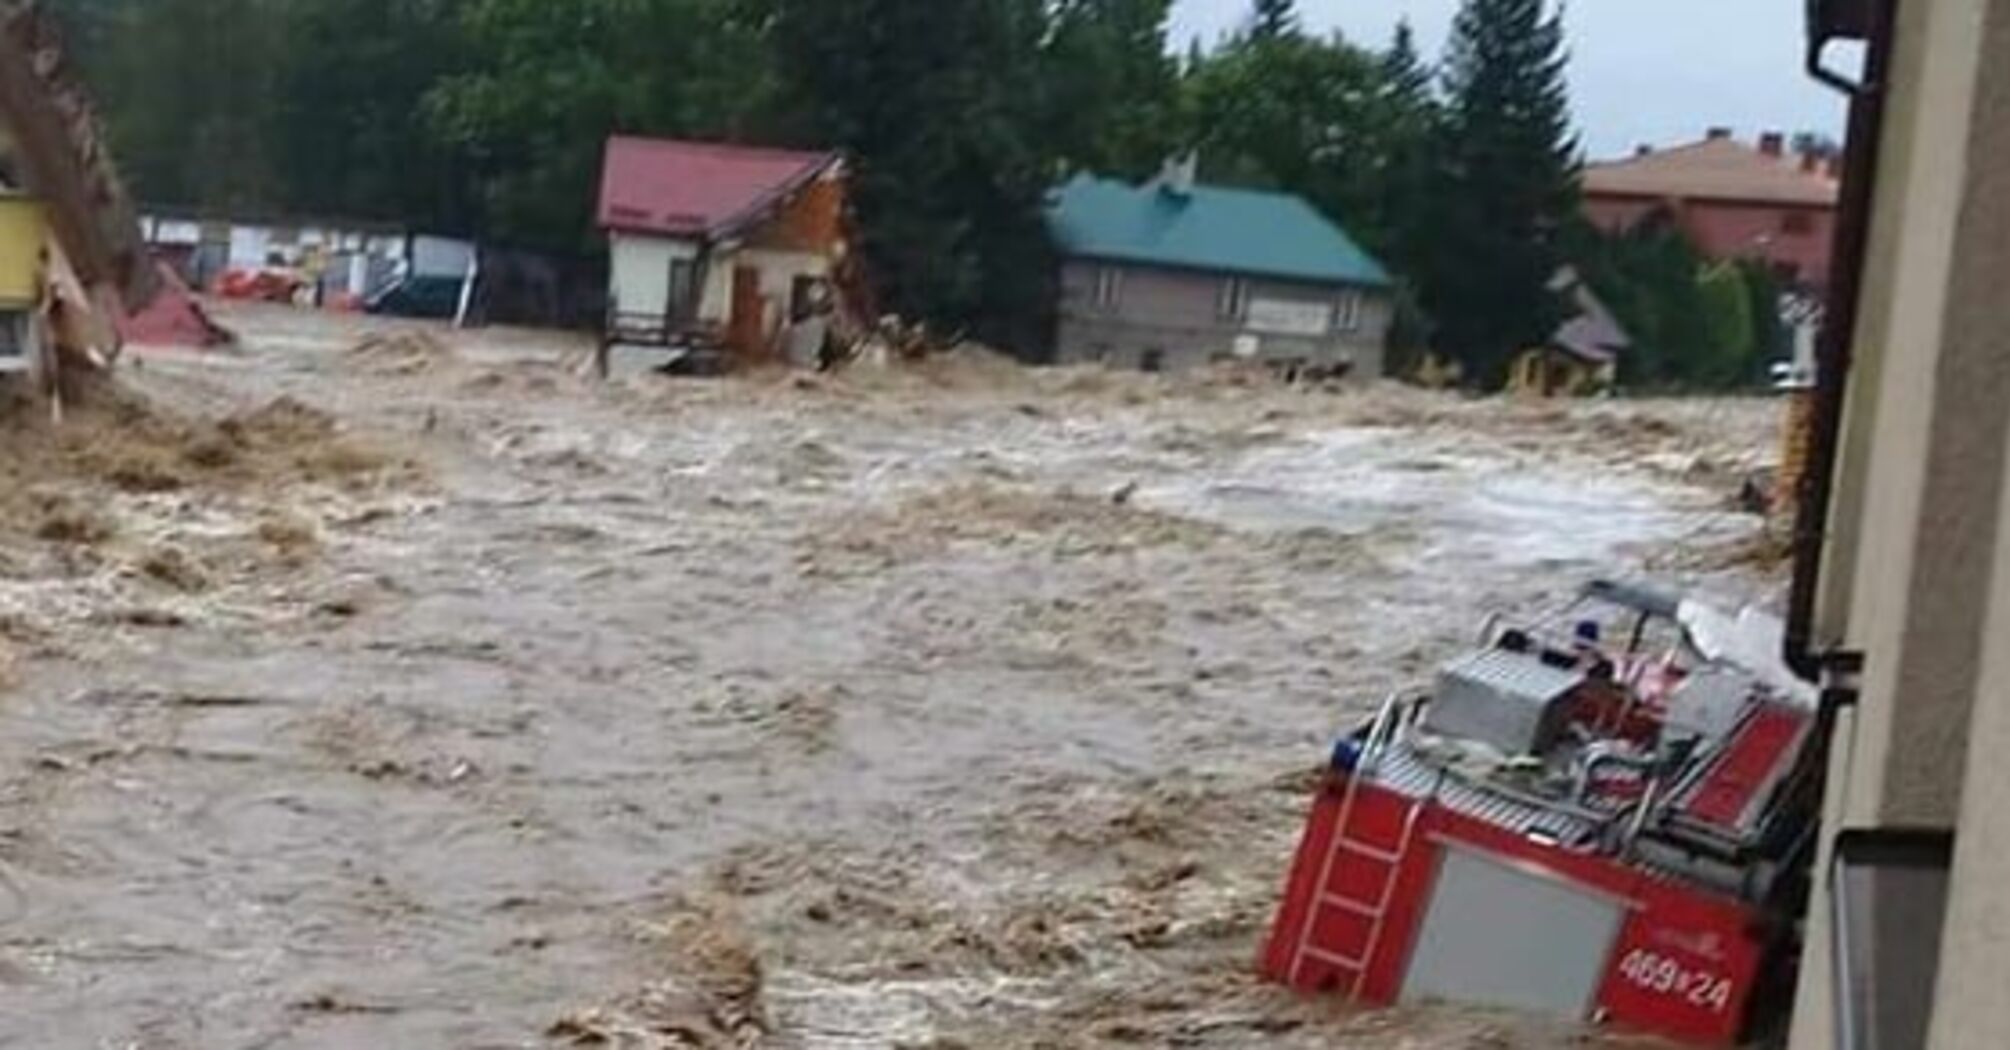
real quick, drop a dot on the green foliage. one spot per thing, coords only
(346, 138)
(1297, 114)
(1271, 19)
(1696, 325)
(1732, 334)
(552, 80)
(1111, 89)
(187, 87)
(1505, 185)
(487, 117)
(939, 105)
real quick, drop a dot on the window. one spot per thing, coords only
(1234, 303)
(806, 296)
(1109, 288)
(1347, 313)
(1797, 223)
(682, 291)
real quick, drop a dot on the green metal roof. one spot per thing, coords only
(1209, 228)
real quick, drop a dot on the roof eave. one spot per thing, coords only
(1379, 279)
(1712, 198)
(773, 198)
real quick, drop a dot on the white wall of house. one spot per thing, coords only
(249, 247)
(779, 271)
(442, 256)
(639, 271)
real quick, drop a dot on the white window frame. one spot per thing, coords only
(1233, 304)
(1347, 311)
(1109, 287)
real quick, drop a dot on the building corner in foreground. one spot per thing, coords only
(1916, 573)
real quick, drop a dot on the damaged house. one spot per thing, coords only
(717, 246)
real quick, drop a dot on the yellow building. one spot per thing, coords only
(1582, 358)
(1555, 371)
(23, 241)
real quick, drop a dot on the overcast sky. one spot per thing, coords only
(1653, 71)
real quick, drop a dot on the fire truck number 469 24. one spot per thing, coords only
(1662, 975)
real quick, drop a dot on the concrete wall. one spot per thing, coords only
(1918, 552)
(1178, 315)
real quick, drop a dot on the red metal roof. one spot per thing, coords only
(696, 189)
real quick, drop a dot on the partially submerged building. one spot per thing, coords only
(1582, 356)
(1173, 274)
(717, 244)
(23, 234)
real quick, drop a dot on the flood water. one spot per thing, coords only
(958, 708)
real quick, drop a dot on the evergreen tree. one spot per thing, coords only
(1404, 165)
(1405, 78)
(1111, 87)
(547, 83)
(939, 105)
(1291, 113)
(347, 140)
(1274, 18)
(1506, 185)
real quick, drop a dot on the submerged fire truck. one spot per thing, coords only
(1603, 815)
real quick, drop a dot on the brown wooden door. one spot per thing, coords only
(744, 330)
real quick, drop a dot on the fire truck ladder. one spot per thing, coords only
(1360, 851)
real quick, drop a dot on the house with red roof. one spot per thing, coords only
(1733, 200)
(717, 245)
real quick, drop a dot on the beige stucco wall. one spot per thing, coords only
(1913, 581)
(1972, 1007)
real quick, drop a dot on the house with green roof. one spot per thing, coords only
(1171, 274)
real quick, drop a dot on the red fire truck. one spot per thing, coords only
(1603, 815)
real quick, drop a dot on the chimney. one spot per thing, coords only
(1718, 134)
(1835, 165)
(1643, 150)
(1811, 162)
(1177, 177)
(1773, 144)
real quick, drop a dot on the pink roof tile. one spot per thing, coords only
(1714, 169)
(695, 189)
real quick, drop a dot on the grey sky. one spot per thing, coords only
(1656, 71)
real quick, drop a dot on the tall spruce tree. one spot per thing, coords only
(1405, 78)
(1406, 125)
(1111, 87)
(1271, 19)
(939, 104)
(1406, 118)
(1506, 185)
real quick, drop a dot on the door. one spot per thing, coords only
(1496, 935)
(680, 293)
(744, 329)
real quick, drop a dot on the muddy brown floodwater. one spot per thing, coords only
(409, 691)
